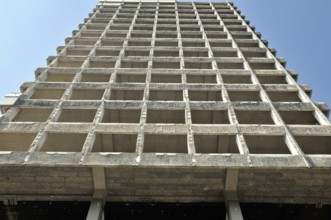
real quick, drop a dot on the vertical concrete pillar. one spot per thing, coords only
(96, 210)
(233, 211)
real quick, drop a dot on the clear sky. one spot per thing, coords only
(300, 30)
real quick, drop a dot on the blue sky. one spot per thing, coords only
(300, 30)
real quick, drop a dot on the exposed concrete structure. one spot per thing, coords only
(165, 101)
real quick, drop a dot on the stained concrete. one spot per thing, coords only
(169, 102)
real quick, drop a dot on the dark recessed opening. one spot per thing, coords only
(159, 43)
(166, 78)
(47, 94)
(314, 144)
(130, 78)
(69, 63)
(58, 77)
(77, 115)
(298, 117)
(112, 42)
(262, 66)
(139, 43)
(195, 53)
(115, 143)
(166, 65)
(237, 79)
(134, 64)
(215, 144)
(107, 52)
(121, 116)
(193, 44)
(87, 94)
(77, 52)
(272, 79)
(33, 114)
(138, 53)
(16, 141)
(118, 94)
(248, 96)
(94, 77)
(266, 144)
(166, 53)
(164, 211)
(166, 95)
(262, 211)
(234, 65)
(101, 64)
(201, 79)
(198, 65)
(50, 210)
(252, 53)
(220, 43)
(162, 143)
(220, 53)
(284, 96)
(254, 117)
(64, 142)
(166, 116)
(195, 95)
(210, 117)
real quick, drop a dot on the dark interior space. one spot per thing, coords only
(259, 211)
(160, 211)
(44, 210)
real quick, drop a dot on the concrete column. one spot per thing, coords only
(96, 210)
(233, 211)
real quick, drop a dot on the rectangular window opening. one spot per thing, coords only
(215, 144)
(58, 77)
(198, 65)
(266, 144)
(77, 115)
(33, 114)
(95, 77)
(254, 117)
(166, 65)
(244, 96)
(210, 117)
(279, 96)
(201, 95)
(237, 79)
(166, 78)
(165, 143)
(101, 64)
(166, 116)
(121, 116)
(134, 64)
(119, 94)
(298, 117)
(87, 94)
(166, 95)
(63, 142)
(16, 141)
(314, 144)
(47, 94)
(115, 143)
(201, 79)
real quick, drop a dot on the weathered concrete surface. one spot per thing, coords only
(165, 100)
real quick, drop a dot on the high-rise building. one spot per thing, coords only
(164, 101)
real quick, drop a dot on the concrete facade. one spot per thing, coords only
(165, 101)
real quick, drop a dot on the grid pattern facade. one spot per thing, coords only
(167, 84)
